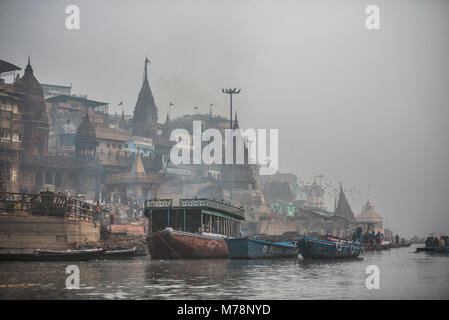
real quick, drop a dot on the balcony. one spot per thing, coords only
(126, 178)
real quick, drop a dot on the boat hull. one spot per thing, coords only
(172, 244)
(259, 249)
(376, 247)
(119, 254)
(311, 248)
(45, 255)
(433, 249)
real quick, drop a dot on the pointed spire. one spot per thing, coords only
(167, 126)
(145, 72)
(145, 111)
(343, 208)
(236, 122)
(28, 69)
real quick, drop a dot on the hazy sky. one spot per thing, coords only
(359, 106)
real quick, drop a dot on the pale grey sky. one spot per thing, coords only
(361, 107)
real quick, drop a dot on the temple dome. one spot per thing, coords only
(33, 105)
(368, 214)
(86, 131)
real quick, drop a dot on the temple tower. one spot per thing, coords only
(145, 112)
(343, 209)
(85, 140)
(34, 115)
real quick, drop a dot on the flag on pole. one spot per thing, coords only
(170, 104)
(121, 103)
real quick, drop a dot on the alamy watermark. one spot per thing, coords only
(373, 280)
(255, 141)
(73, 280)
(372, 22)
(72, 22)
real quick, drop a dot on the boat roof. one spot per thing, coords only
(195, 204)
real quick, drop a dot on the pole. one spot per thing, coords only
(231, 92)
(230, 114)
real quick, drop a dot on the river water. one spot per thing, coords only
(404, 274)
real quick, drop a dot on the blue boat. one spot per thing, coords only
(247, 248)
(311, 248)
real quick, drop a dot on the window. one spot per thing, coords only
(38, 179)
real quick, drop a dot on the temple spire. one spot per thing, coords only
(145, 75)
(145, 112)
(343, 208)
(236, 122)
(28, 68)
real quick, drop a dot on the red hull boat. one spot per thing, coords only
(171, 244)
(205, 223)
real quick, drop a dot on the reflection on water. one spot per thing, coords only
(403, 274)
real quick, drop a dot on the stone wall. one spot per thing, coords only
(24, 233)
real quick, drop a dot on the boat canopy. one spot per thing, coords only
(195, 216)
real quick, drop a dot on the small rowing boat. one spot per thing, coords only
(69, 255)
(376, 246)
(433, 249)
(54, 255)
(119, 253)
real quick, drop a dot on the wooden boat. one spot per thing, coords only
(311, 248)
(247, 248)
(31, 256)
(377, 246)
(119, 253)
(194, 229)
(54, 255)
(433, 249)
(69, 255)
(173, 244)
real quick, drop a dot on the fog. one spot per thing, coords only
(362, 107)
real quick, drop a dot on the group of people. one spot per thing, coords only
(367, 237)
(432, 241)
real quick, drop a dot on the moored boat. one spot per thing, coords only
(384, 245)
(433, 249)
(174, 244)
(247, 248)
(311, 248)
(69, 255)
(54, 255)
(119, 253)
(194, 229)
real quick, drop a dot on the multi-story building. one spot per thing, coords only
(11, 130)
